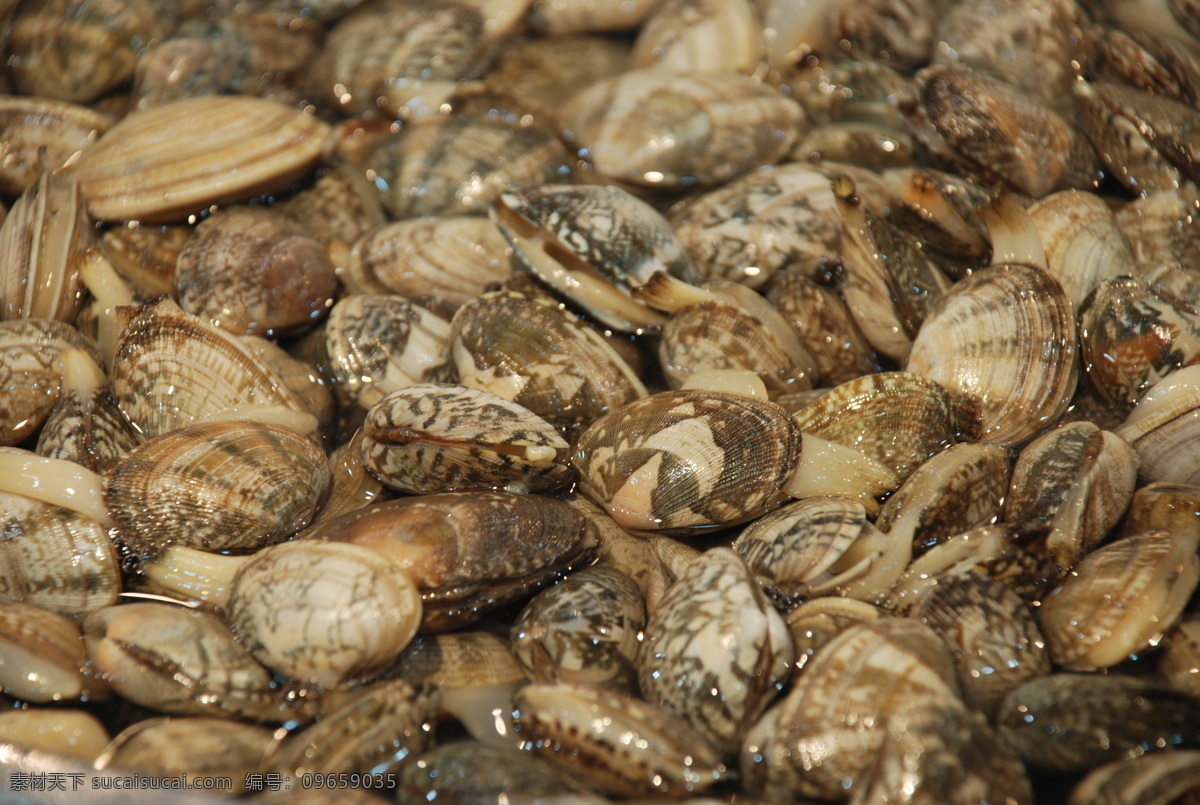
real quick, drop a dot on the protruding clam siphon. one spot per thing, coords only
(441, 438)
(322, 612)
(688, 460)
(221, 486)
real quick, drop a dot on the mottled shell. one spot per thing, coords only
(85, 425)
(1078, 480)
(401, 57)
(1006, 336)
(29, 125)
(218, 486)
(825, 326)
(672, 130)
(1163, 429)
(593, 244)
(470, 552)
(1073, 722)
(585, 630)
(252, 271)
(620, 744)
(898, 418)
(76, 50)
(960, 488)
(172, 368)
(533, 351)
(701, 36)
(688, 459)
(427, 438)
(145, 255)
(1120, 600)
(716, 651)
(337, 209)
(819, 620)
(823, 738)
(439, 262)
(761, 223)
(1160, 229)
(42, 657)
(322, 612)
(166, 163)
(1153, 777)
(996, 642)
(192, 747)
(458, 164)
(178, 660)
(55, 558)
(379, 344)
(30, 373)
(1132, 332)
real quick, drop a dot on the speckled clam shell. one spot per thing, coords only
(171, 369)
(429, 438)
(459, 659)
(253, 271)
(601, 232)
(44, 656)
(1119, 600)
(337, 209)
(943, 211)
(1160, 506)
(191, 747)
(28, 125)
(372, 731)
(86, 427)
(78, 51)
(322, 612)
(819, 620)
(716, 652)
(458, 164)
(145, 255)
(1078, 480)
(178, 660)
(541, 356)
(1006, 336)
(995, 129)
(163, 164)
(30, 372)
(1160, 229)
(992, 633)
(56, 558)
(956, 490)
(393, 54)
(711, 36)
(899, 418)
(1163, 429)
(219, 486)
(439, 262)
(825, 326)
(1161, 776)
(721, 125)
(816, 547)
(759, 224)
(1132, 332)
(379, 344)
(824, 737)
(470, 552)
(1083, 245)
(1072, 722)
(618, 743)
(585, 630)
(688, 459)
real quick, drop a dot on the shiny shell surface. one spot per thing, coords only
(687, 460)
(30, 372)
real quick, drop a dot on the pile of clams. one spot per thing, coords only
(488, 400)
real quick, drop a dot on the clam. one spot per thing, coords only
(825, 326)
(1162, 429)
(707, 36)
(1005, 336)
(577, 16)
(43, 656)
(167, 163)
(71, 733)
(220, 486)
(470, 771)
(29, 125)
(85, 425)
(1158, 776)
(30, 372)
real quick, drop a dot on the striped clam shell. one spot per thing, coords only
(31, 373)
(219, 486)
(688, 459)
(1006, 336)
(163, 164)
(440, 438)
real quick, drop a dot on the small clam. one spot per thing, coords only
(707, 36)
(172, 161)
(825, 326)
(220, 486)
(252, 271)
(618, 743)
(819, 620)
(29, 125)
(468, 771)
(428, 438)
(321, 612)
(42, 656)
(658, 128)
(75, 734)
(1162, 429)
(579, 16)
(85, 425)
(1155, 777)
(31, 373)
(1005, 335)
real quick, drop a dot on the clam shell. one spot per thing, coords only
(825, 326)
(688, 459)
(28, 125)
(711, 36)
(30, 373)
(218, 486)
(1154, 777)
(190, 747)
(1083, 245)
(1006, 336)
(1163, 429)
(166, 163)
(44, 656)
